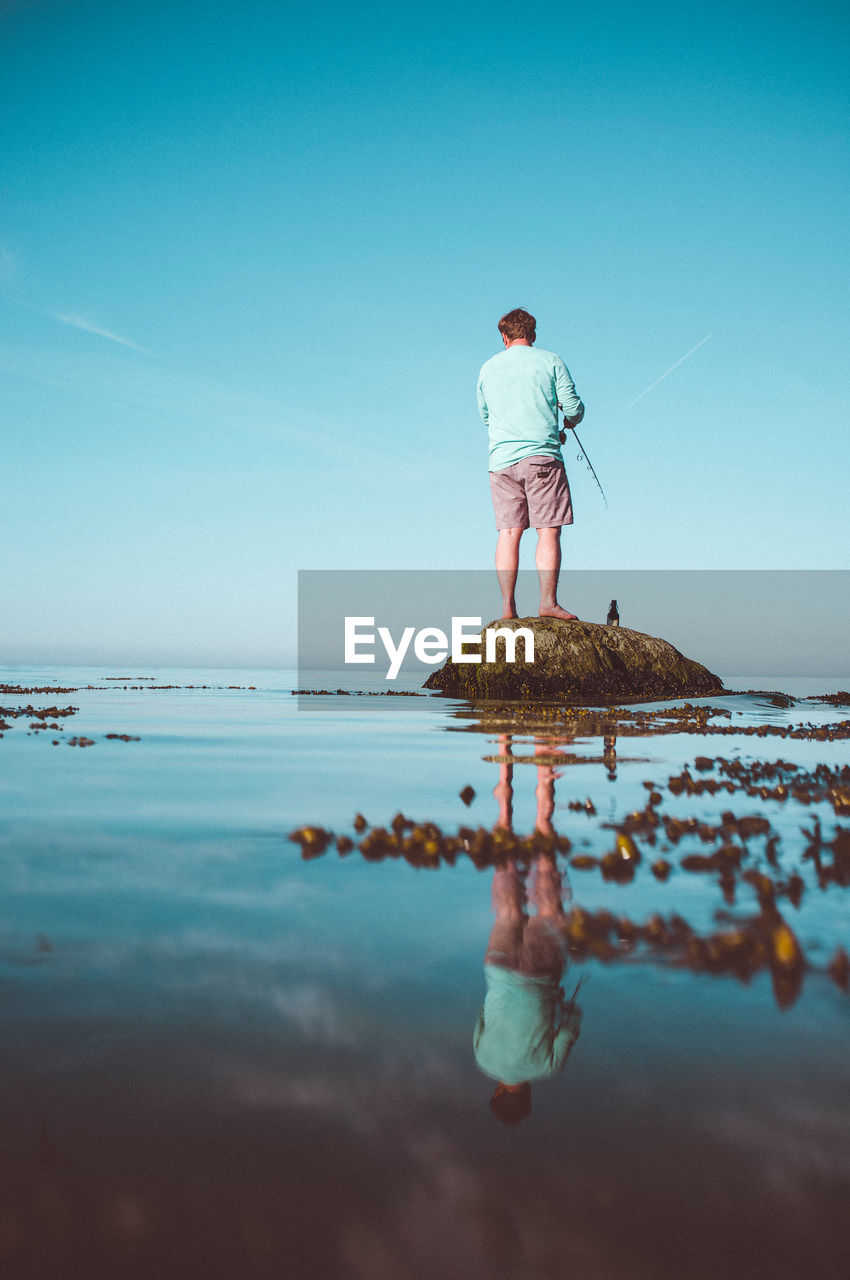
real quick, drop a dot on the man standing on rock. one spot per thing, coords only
(519, 391)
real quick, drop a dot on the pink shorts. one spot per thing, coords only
(533, 493)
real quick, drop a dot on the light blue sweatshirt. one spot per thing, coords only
(518, 393)
(519, 1035)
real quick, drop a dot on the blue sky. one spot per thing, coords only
(252, 257)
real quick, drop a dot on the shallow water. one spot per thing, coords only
(221, 1059)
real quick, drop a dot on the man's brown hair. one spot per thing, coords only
(518, 324)
(511, 1105)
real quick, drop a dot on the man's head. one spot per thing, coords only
(518, 326)
(511, 1103)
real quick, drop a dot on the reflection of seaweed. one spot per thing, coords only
(837, 871)
(740, 852)
(763, 942)
(425, 844)
(584, 722)
(766, 941)
(787, 781)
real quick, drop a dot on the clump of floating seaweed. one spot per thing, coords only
(426, 845)
(773, 780)
(762, 942)
(839, 699)
(829, 871)
(46, 720)
(38, 713)
(24, 692)
(752, 945)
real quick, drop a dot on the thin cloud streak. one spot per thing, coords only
(75, 321)
(157, 394)
(667, 373)
(80, 322)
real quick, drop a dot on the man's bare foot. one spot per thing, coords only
(555, 611)
(509, 611)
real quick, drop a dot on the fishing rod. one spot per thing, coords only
(571, 1003)
(562, 435)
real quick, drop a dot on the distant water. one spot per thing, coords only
(221, 1059)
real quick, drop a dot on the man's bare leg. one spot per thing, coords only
(507, 566)
(509, 903)
(504, 788)
(548, 890)
(548, 560)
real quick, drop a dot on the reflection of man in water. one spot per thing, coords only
(525, 1031)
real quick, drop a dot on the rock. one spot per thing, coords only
(578, 662)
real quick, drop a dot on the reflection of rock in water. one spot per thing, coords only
(576, 721)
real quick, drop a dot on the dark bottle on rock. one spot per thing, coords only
(613, 619)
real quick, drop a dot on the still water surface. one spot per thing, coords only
(221, 1059)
